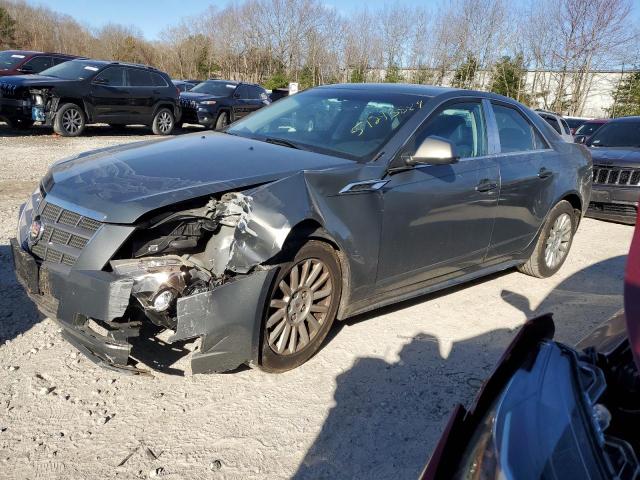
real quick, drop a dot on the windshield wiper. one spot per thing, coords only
(280, 141)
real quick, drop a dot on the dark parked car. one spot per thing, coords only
(587, 129)
(615, 148)
(184, 85)
(217, 103)
(549, 411)
(326, 204)
(575, 123)
(73, 94)
(22, 62)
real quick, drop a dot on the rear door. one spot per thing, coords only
(242, 103)
(438, 219)
(110, 96)
(527, 166)
(142, 97)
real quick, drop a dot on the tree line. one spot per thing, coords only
(488, 44)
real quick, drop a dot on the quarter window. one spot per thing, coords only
(158, 81)
(516, 133)
(112, 76)
(462, 124)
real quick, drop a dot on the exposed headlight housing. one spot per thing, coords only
(38, 100)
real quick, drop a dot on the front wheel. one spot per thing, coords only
(222, 121)
(163, 122)
(302, 306)
(70, 120)
(554, 242)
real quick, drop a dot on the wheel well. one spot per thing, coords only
(576, 203)
(163, 105)
(312, 229)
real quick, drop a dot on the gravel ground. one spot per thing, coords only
(371, 404)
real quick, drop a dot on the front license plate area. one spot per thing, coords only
(600, 196)
(26, 268)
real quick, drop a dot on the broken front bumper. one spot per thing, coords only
(90, 306)
(15, 109)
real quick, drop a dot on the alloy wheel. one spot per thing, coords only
(299, 307)
(71, 120)
(559, 241)
(165, 122)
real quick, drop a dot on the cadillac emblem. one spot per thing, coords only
(35, 232)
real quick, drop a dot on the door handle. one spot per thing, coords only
(545, 173)
(486, 185)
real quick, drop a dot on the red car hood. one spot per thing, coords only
(632, 294)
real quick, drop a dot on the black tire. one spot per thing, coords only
(163, 122)
(222, 120)
(70, 120)
(288, 318)
(554, 232)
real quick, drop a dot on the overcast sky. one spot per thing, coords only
(152, 16)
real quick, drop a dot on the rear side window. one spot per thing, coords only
(460, 123)
(38, 64)
(112, 76)
(139, 78)
(515, 131)
(553, 122)
(256, 93)
(158, 81)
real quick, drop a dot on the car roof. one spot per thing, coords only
(112, 62)
(407, 88)
(37, 52)
(625, 119)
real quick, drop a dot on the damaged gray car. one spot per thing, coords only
(327, 204)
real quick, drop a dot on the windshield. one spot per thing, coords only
(10, 59)
(216, 88)
(73, 70)
(617, 134)
(588, 128)
(348, 123)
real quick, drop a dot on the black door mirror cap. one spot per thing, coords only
(434, 151)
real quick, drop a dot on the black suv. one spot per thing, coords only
(216, 103)
(73, 94)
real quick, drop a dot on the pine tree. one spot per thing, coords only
(626, 98)
(508, 78)
(465, 74)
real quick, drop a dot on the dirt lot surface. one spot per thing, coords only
(371, 404)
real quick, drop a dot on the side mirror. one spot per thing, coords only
(101, 81)
(580, 139)
(434, 151)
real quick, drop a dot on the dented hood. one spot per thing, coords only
(120, 184)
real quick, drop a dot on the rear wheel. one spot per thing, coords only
(163, 122)
(302, 306)
(554, 242)
(69, 121)
(222, 120)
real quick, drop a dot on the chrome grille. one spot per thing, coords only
(616, 176)
(64, 236)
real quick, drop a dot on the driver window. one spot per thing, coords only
(460, 123)
(112, 76)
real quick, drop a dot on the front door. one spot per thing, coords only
(110, 96)
(438, 218)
